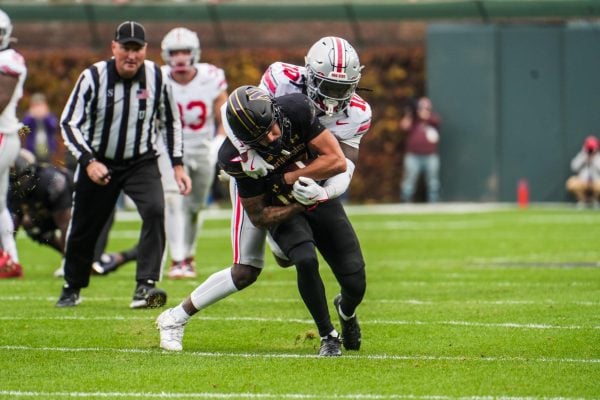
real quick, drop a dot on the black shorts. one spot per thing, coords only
(329, 228)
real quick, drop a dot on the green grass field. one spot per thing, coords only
(481, 305)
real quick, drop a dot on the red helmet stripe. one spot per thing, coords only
(339, 55)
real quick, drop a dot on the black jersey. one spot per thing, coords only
(49, 189)
(299, 125)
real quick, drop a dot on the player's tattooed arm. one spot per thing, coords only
(263, 215)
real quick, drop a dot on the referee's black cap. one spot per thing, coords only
(130, 31)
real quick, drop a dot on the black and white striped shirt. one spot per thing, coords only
(117, 120)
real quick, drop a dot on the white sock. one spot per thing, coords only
(333, 333)
(214, 288)
(174, 220)
(6, 235)
(179, 314)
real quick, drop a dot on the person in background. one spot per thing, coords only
(13, 72)
(109, 125)
(585, 185)
(421, 125)
(43, 139)
(200, 89)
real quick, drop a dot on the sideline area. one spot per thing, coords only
(392, 208)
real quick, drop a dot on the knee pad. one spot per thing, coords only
(304, 256)
(354, 285)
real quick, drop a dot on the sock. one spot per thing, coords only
(344, 316)
(179, 314)
(214, 288)
(333, 333)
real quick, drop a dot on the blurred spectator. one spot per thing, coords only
(585, 185)
(421, 125)
(43, 140)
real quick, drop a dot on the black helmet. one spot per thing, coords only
(24, 164)
(250, 113)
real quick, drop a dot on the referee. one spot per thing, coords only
(110, 125)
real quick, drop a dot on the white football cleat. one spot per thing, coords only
(171, 331)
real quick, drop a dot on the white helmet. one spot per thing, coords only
(333, 70)
(180, 39)
(5, 30)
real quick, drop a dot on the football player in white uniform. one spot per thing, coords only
(330, 79)
(12, 77)
(199, 90)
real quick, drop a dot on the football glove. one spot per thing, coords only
(308, 192)
(254, 165)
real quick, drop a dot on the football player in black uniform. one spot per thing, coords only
(39, 200)
(284, 130)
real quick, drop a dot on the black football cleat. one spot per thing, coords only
(330, 347)
(351, 336)
(148, 296)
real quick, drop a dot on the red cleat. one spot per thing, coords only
(9, 268)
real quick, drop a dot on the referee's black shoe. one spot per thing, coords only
(69, 297)
(351, 336)
(148, 296)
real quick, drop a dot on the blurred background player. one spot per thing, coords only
(199, 90)
(39, 200)
(585, 185)
(12, 77)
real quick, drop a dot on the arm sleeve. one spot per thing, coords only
(338, 184)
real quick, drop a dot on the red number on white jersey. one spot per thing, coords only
(358, 102)
(291, 71)
(200, 118)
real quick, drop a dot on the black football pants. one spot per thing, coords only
(92, 208)
(327, 227)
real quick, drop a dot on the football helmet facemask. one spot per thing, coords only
(5, 30)
(333, 71)
(180, 39)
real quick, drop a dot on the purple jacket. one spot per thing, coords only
(51, 124)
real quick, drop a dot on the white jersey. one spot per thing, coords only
(348, 126)
(195, 101)
(12, 64)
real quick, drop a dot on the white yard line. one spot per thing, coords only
(416, 302)
(301, 356)
(511, 325)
